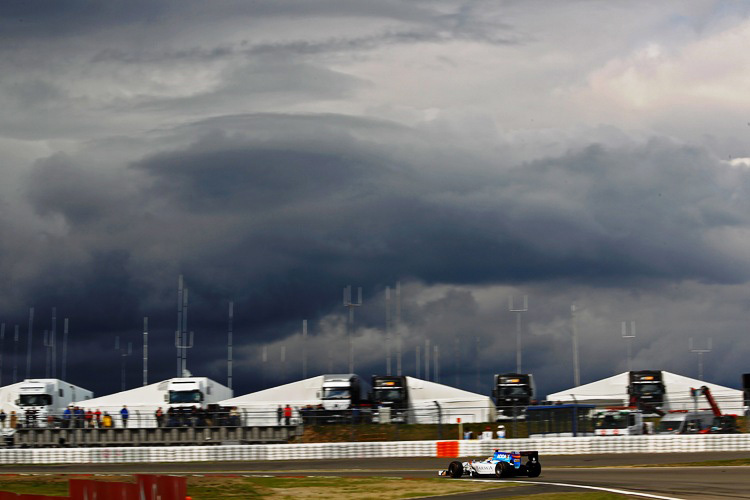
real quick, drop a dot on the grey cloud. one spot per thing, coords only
(280, 211)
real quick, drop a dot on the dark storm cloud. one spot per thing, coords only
(279, 212)
(73, 18)
(599, 215)
(274, 152)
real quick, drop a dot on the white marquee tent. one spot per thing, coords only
(613, 391)
(428, 401)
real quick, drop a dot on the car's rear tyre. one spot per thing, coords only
(456, 470)
(503, 469)
(533, 469)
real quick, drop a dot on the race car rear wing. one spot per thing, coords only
(533, 455)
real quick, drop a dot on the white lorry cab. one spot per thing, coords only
(343, 391)
(35, 400)
(620, 422)
(194, 391)
(686, 422)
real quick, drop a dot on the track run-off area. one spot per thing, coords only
(636, 475)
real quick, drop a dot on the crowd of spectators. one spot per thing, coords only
(76, 417)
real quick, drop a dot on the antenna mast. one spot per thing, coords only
(28, 349)
(178, 332)
(124, 353)
(64, 368)
(145, 350)
(350, 325)
(53, 334)
(304, 348)
(399, 337)
(229, 345)
(388, 330)
(187, 343)
(435, 363)
(427, 359)
(700, 353)
(574, 331)
(629, 340)
(518, 312)
(15, 357)
(48, 343)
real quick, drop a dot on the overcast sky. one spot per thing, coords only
(578, 152)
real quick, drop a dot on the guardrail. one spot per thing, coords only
(464, 448)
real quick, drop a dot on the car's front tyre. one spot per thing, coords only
(456, 470)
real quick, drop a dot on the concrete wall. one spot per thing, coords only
(469, 448)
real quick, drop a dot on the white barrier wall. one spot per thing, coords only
(468, 448)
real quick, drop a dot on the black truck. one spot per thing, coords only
(391, 391)
(513, 392)
(646, 390)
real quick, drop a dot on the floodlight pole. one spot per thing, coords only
(124, 353)
(64, 367)
(399, 333)
(574, 331)
(183, 345)
(700, 353)
(477, 358)
(48, 342)
(178, 332)
(350, 325)
(435, 356)
(518, 312)
(264, 360)
(304, 348)
(628, 340)
(388, 330)
(457, 361)
(53, 350)
(230, 345)
(145, 350)
(28, 349)
(427, 359)
(15, 354)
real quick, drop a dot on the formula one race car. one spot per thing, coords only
(500, 464)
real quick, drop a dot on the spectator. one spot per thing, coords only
(500, 432)
(89, 416)
(67, 415)
(487, 434)
(13, 419)
(468, 434)
(279, 414)
(234, 417)
(2, 419)
(98, 417)
(124, 415)
(159, 414)
(287, 415)
(107, 420)
(80, 416)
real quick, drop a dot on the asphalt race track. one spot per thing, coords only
(602, 471)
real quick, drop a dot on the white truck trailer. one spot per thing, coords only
(36, 400)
